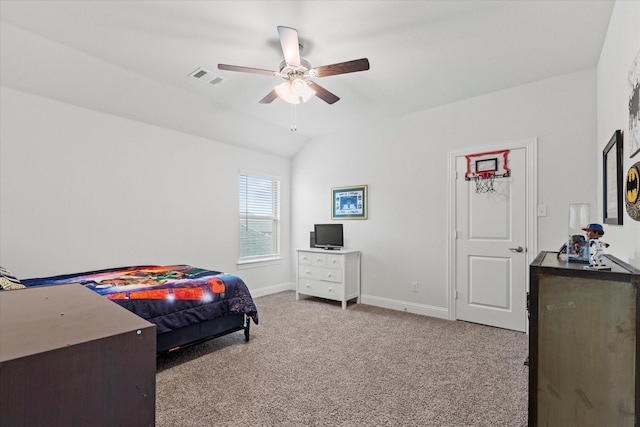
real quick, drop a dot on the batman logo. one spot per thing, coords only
(632, 197)
(632, 184)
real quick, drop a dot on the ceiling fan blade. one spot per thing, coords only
(247, 69)
(323, 94)
(271, 96)
(343, 67)
(290, 45)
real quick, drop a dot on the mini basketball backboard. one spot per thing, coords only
(484, 167)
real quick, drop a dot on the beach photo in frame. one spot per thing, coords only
(349, 202)
(612, 175)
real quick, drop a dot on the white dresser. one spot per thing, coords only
(331, 274)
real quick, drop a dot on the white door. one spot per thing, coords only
(490, 246)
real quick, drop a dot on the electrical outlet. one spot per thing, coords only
(414, 286)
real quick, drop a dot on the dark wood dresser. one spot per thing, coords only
(70, 357)
(583, 345)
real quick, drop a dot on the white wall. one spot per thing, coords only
(82, 190)
(620, 48)
(404, 162)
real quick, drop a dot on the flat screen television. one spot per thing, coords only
(329, 236)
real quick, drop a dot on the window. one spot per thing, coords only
(259, 217)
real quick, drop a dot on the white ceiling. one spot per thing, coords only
(139, 54)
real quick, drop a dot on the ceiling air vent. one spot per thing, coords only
(206, 76)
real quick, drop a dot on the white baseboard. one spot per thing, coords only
(409, 307)
(268, 290)
(425, 310)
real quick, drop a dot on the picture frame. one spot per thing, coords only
(612, 200)
(349, 202)
(633, 138)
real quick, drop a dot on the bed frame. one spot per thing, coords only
(203, 331)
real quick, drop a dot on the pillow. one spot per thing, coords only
(8, 281)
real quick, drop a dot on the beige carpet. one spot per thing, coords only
(309, 363)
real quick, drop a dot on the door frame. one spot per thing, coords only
(530, 145)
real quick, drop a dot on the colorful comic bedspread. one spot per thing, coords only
(171, 297)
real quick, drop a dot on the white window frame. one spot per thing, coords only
(265, 259)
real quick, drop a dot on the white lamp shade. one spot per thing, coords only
(295, 92)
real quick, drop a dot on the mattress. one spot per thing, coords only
(172, 296)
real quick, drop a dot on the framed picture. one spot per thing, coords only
(612, 174)
(633, 139)
(349, 202)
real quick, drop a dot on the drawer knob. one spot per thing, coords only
(329, 275)
(330, 289)
(308, 286)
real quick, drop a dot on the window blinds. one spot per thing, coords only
(259, 217)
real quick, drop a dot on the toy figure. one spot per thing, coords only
(596, 246)
(578, 250)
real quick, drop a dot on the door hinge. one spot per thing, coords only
(455, 294)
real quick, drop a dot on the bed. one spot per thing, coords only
(187, 304)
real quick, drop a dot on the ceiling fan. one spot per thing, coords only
(297, 73)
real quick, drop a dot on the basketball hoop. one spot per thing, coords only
(483, 168)
(484, 182)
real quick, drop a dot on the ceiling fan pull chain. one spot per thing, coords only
(294, 125)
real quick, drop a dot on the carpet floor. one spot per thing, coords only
(310, 363)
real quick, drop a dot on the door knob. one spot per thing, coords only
(518, 249)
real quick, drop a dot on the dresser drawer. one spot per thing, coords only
(319, 273)
(320, 289)
(334, 261)
(304, 258)
(318, 260)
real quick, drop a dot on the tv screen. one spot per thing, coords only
(329, 236)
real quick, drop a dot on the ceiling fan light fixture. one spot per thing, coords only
(298, 86)
(295, 92)
(297, 73)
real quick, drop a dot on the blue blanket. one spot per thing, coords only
(171, 297)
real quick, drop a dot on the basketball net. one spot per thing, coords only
(484, 182)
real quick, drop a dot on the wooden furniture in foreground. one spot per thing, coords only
(70, 357)
(330, 274)
(584, 350)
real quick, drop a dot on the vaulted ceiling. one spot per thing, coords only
(135, 59)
